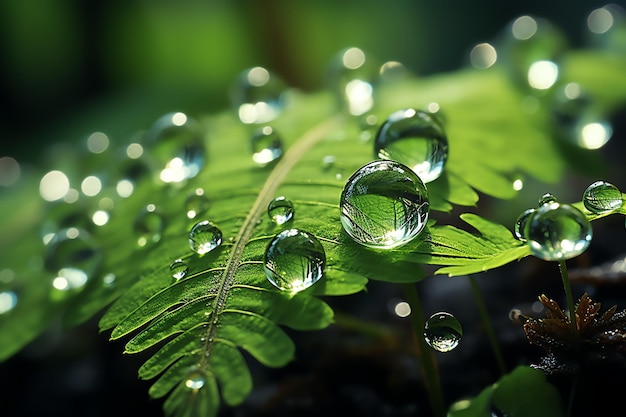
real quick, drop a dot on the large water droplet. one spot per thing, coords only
(352, 75)
(204, 236)
(443, 332)
(196, 203)
(73, 257)
(416, 139)
(384, 205)
(294, 260)
(602, 197)
(280, 210)
(179, 269)
(195, 380)
(148, 226)
(266, 146)
(177, 147)
(520, 224)
(557, 231)
(258, 95)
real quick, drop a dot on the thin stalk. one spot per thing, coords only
(484, 315)
(570, 300)
(427, 356)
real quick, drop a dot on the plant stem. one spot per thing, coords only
(484, 315)
(427, 356)
(570, 300)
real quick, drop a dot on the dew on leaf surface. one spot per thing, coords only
(196, 203)
(520, 223)
(195, 379)
(602, 197)
(266, 146)
(258, 95)
(294, 260)
(557, 232)
(179, 269)
(443, 332)
(148, 226)
(177, 146)
(280, 210)
(416, 139)
(204, 236)
(384, 204)
(351, 77)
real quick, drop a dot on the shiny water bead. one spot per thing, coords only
(179, 269)
(294, 260)
(73, 256)
(416, 139)
(148, 226)
(195, 379)
(547, 198)
(384, 205)
(177, 146)
(443, 332)
(258, 95)
(8, 301)
(204, 236)
(602, 197)
(280, 210)
(520, 224)
(351, 76)
(196, 203)
(266, 146)
(557, 232)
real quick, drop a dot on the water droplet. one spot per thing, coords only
(195, 380)
(177, 147)
(294, 260)
(601, 197)
(8, 301)
(204, 236)
(266, 146)
(352, 75)
(547, 198)
(179, 269)
(483, 56)
(148, 226)
(73, 256)
(280, 210)
(443, 332)
(384, 205)
(258, 95)
(520, 224)
(196, 203)
(416, 139)
(557, 232)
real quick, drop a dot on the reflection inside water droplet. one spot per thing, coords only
(294, 260)
(384, 205)
(443, 332)
(204, 236)
(179, 269)
(266, 146)
(602, 197)
(280, 210)
(416, 139)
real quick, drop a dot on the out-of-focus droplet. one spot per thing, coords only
(196, 203)
(266, 146)
(602, 197)
(294, 260)
(8, 301)
(204, 236)
(557, 232)
(54, 185)
(443, 332)
(483, 56)
(195, 379)
(384, 205)
(10, 171)
(416, 139)
(258, 95)
(351, 76)
(97, 142)
(607, 28)
(177, 146)
(100, 217)
(148, 225)
(179, 269)
(392, 71)
(280, 210)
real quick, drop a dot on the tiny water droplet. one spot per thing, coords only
(195, 379)
(179, 269)
(443, 332)
(177, 147)
(204, 236)
(557, 232)
(196, 203)
(520, 224)
(351, 76)
(547, 198)
(8, 301)
(148, 226)
(384, 204)
(258, 95)
(294, 260)
(602, 197)
(280, 210)
(266, 146)
(416, 139)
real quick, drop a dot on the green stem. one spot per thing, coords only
(484, 315)
(427, 356)
(570, 300)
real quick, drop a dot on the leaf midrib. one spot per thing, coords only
(273, 181)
